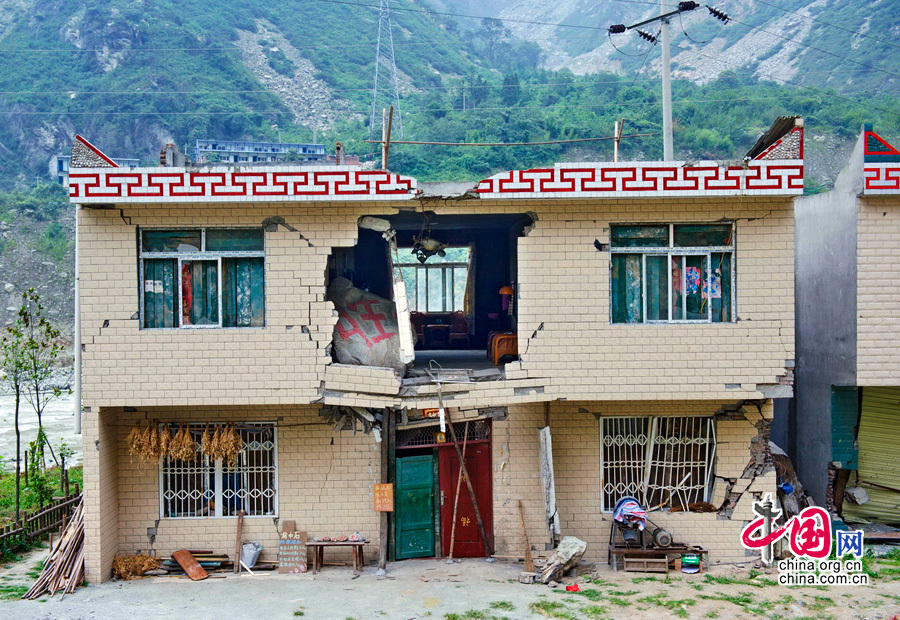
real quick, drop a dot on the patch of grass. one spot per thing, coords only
(591, 594)
(744, 600)
(35, 572)
(712, 614)
(599, 582)
(593, 611)
(821, 602)
(8, 593)
(624, 592)
(638, 580)
(502, 606)
(299, 612)
(756, 582)
(552, 609)
(699, 587)
(616, 600)
(676, 606)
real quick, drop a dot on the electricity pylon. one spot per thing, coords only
(386, 87)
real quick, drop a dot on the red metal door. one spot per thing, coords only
(467, 543)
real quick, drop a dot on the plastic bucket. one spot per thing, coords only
(250, 553)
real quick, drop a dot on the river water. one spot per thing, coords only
(59, 424)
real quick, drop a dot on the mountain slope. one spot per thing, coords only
(850, 47)
(134, 73)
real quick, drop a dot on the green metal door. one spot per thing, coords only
(414, 518)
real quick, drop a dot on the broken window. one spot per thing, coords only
(205, 277)
(440, 284)
(672, 273)
(205, 487)
(660, 461)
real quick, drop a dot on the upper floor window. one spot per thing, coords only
(202, 277)
(667, 273)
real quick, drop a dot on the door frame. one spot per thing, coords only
(398, 452)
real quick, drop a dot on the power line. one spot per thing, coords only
(796, 84)
(576, 84)
(634, 135)
(823, 22)
(838, 56)
(557, 106)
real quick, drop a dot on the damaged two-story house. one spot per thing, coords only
(845, 426)
(585, 332)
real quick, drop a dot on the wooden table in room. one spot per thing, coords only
(356, 552)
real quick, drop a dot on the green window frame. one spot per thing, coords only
(201, 278)
(672, 273)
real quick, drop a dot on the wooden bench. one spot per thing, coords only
(356, 552)
(638, 559)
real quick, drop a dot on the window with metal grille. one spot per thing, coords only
(672, 273)
(205, 487)
(657, 460)
(420, 436)
(202, 277)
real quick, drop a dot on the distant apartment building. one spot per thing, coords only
(58, 167)
(226, 151)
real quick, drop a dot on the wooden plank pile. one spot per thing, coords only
(64, 568)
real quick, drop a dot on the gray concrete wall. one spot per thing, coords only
(825, 255)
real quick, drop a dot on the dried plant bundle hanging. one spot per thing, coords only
(133, 440)
(165, 441)
(232, 445)
(183, 447)
(153, 442)
(205, 441)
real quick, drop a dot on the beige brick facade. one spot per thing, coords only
(878, 291)
(275, 373)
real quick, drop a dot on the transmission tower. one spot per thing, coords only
(386, 87)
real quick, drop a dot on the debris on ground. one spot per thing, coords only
(128, 567)
(567, 555)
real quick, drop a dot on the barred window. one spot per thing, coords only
(656, 460)
(205, 487)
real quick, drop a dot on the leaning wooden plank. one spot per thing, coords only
(190, 565)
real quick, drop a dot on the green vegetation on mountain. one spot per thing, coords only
(133, 74)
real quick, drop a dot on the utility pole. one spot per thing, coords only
(663, 19)
(666, 81)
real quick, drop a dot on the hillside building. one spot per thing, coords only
(58, 167)
(238, 152)
(587, 331)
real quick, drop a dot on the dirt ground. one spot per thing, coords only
(467, 590)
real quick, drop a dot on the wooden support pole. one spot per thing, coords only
(462, 468)
(387, 429)
(386, 137)
(456, 495)
(237, 543)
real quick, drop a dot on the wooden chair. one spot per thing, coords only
(503, 344)
(418, 325)
(459, 329)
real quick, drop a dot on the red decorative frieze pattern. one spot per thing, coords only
(769, 177)
(882, 178)
(237, 185)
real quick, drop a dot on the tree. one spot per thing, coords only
(493, 31)
(511, 91)
(41, 349)
(12, 374)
